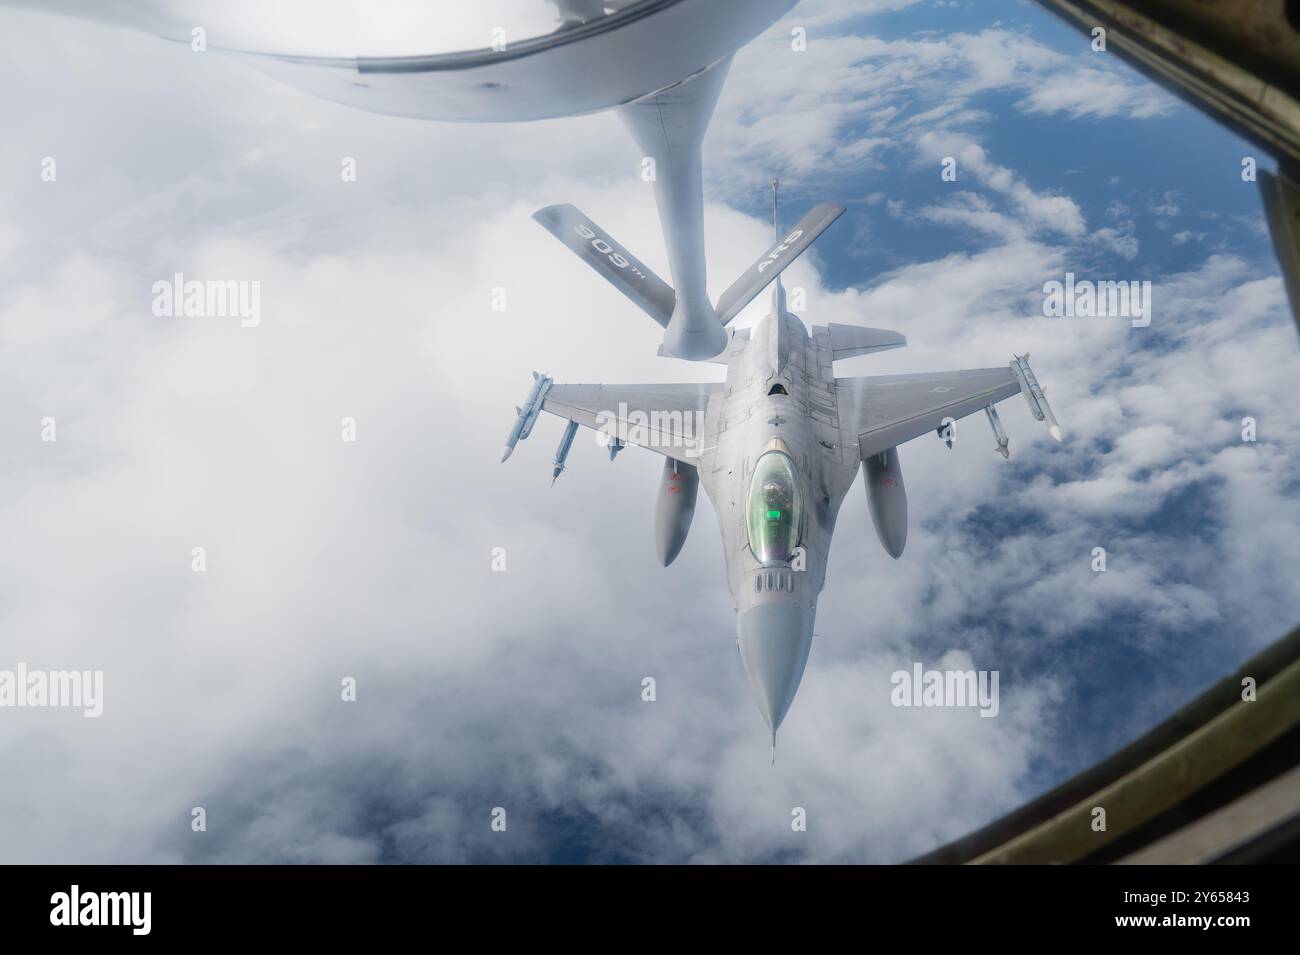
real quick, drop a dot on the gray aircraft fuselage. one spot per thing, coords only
(779, 397)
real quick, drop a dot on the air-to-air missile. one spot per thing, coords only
(562, 452)
(1000, 435)
(1033, 393)
(528, 413)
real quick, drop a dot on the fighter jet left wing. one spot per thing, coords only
(887, 410)
(664, 418)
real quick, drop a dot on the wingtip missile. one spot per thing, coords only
(1034, 395)
(526, 414)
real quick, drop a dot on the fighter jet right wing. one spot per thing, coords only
(664, 418)
(886, 410)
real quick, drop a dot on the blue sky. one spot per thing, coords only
(522, 689)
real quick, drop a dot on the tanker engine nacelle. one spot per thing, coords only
(675, 508)
(883, 475)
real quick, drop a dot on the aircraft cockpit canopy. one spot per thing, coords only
(773, 508)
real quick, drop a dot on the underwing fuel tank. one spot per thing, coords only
(675, 508)
(887, 498)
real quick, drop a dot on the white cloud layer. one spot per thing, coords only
(372, 560)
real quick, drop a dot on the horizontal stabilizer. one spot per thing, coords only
(619, 267)
(850, 340)
(775, 259)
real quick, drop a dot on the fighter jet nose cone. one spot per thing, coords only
(774, 642)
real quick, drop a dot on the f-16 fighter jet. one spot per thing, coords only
(776, 446)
